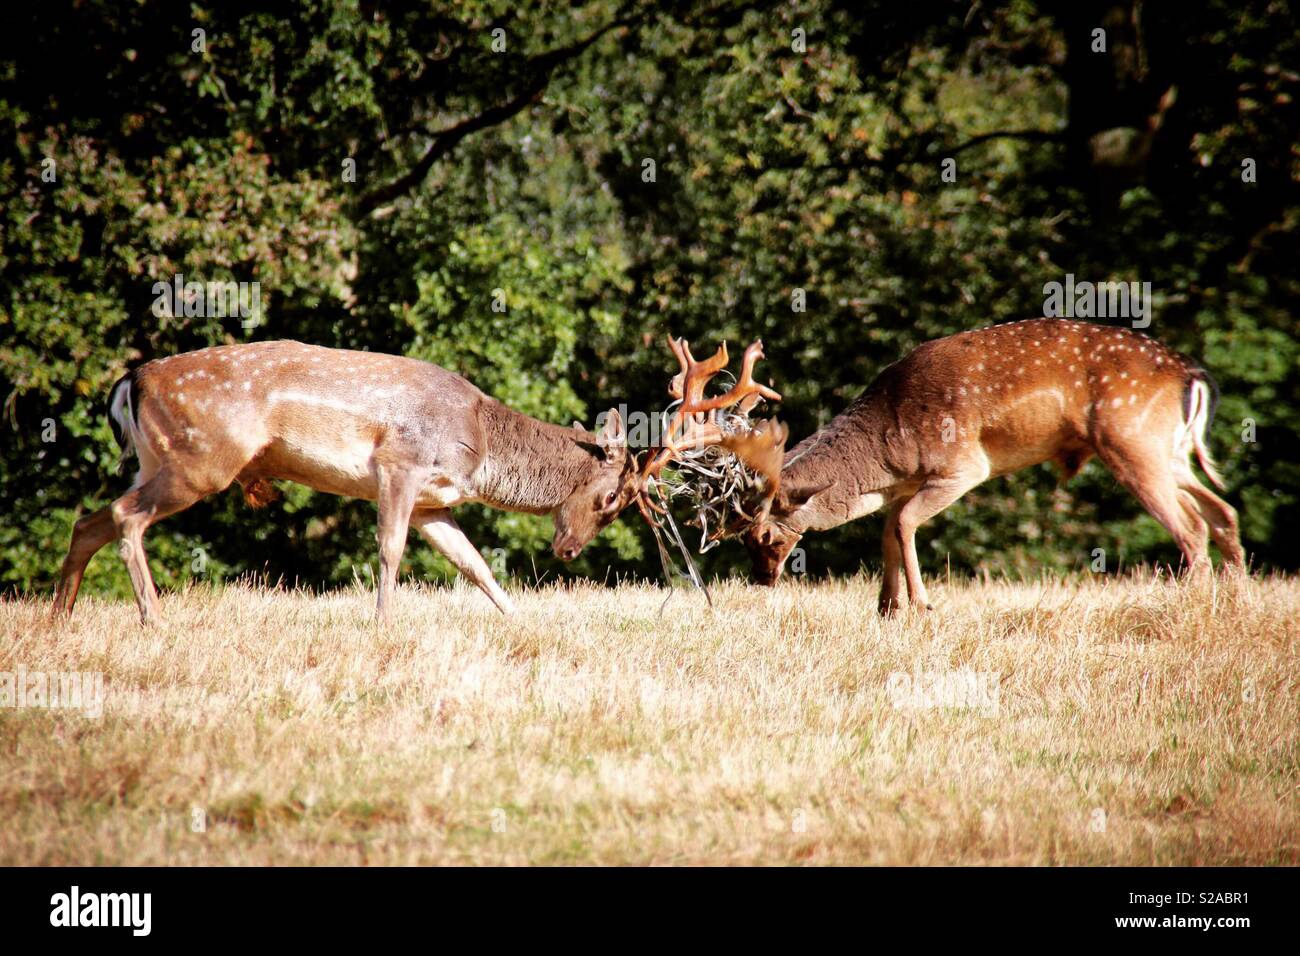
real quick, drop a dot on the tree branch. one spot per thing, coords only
(443, 143)
(898, 157)
(445, 140)
(1029, 135)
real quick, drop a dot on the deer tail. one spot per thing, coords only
(122, 416)
(1199, 403)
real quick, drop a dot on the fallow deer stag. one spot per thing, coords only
(413, 437)
(962, 409)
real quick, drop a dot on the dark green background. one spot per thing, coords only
(522, 170)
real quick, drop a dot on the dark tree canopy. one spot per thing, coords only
(505, 150)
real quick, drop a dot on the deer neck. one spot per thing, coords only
(529, 465)
(849, 459)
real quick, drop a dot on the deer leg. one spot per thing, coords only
(89, 534)
(930, 499)
(891, 584)
(1197, 529)
(439, 528)
(164, 494)
(1196, 524)
(1222, 519)
(397, 492)
(1151, 479)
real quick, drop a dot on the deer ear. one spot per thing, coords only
(792, 499)
(612, 437)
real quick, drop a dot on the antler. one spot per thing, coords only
(688, 385)
(695, 424)
(762, 449)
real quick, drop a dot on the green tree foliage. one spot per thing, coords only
(388, 173)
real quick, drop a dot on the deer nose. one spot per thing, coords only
(567, 552)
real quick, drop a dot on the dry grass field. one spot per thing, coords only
(1126, 721)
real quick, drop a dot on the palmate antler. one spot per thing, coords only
(695, 423)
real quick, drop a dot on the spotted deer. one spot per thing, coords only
(962, 409)
(409, 435)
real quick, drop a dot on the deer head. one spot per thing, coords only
(610, 484)
(772, 534)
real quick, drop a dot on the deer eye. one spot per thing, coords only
(611, 498)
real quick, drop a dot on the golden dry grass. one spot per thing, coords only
(1136, 722)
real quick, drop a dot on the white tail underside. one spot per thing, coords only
(1193, 437)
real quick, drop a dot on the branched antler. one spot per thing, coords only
(695, 422)
(723, 462)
